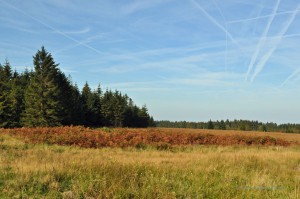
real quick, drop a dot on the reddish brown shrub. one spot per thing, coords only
(123, 137)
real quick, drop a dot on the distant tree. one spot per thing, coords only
(210, 125)
(222, 125)
(228, 124)
(233, 125)
(262, 128)
(143, 117)
(151, 122)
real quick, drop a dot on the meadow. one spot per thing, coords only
(77, 162)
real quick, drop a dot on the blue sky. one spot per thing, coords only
(191, 60)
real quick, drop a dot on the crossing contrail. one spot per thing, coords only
(214, 21)
(267, 56)
(262, 40)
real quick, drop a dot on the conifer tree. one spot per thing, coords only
(222, 125)
(5, 103)
(91, 106)
(11, 97)
(210, 125)
(76, 111)
(119, 108)
(69, 98)
(107, 108)
(16, 104)
(143, 117)
(42, 104)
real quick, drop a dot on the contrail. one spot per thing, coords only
(262, 40)
(258, 15)
(215, 22)
(267, 56)
(295, 73)
(263, 16)
(220, 11)
(55, 30)
(226, 44)
(88, 40)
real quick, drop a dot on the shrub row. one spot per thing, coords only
(125, 137)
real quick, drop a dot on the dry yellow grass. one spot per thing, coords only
(35, 171)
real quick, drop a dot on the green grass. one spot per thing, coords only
(36, 171)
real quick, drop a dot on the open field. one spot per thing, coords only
(35, 169)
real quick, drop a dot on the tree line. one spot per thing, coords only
(243, 125)
(45, 97)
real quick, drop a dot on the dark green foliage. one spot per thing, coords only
(42, 103)
(222, 125)
(11, 97)
(119, 110)
(90, 106)
(210, 125)
(46, 97)
(16, 96)
(69, 97)
(5, 99)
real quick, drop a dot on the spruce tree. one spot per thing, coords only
(222, 125)
(42, 103)
(107, 105)
(119, 108)
(143, 117)
(16, 104)
(5, 102)
(210, 125)
(77, 110)
(69, 97)
(86, 100)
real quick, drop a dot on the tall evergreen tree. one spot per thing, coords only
(42, 103)
(16, 96)
(69, 97)
(76, 112)
(107, 108)
(91, 106)
(5, 102)
(120, 103)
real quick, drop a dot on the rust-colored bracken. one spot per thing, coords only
(125, 137)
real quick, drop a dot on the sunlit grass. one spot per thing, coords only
(35, 171)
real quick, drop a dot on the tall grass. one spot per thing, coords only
(50, 171)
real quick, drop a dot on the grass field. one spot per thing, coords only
(37, 170)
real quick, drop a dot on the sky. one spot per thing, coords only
(191, 60)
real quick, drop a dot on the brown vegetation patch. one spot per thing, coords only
(124, 137)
